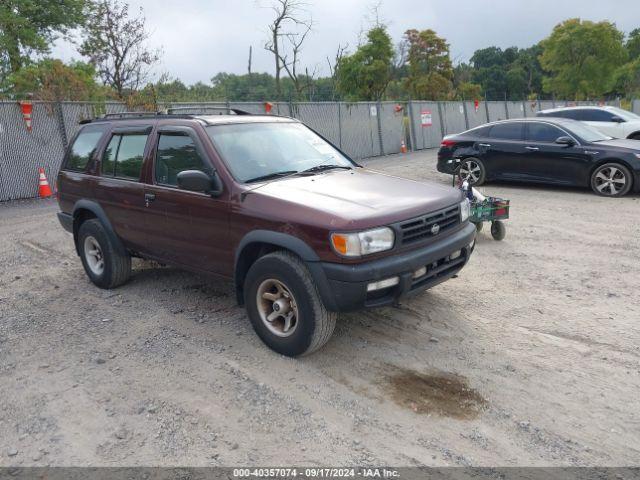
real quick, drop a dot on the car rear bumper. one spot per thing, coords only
(447, 165)
(66, 220)
(343, 287)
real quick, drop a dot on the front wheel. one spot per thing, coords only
(284, 305)
(473, 171)
(611, 180)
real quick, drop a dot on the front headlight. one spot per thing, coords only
(465, 210)
(363, 243)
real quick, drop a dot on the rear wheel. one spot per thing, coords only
(284, 305)
(611, 180)
(472, 170)
(104, 265)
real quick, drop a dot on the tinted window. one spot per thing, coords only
(507, 131)
(123, 156)
(84, 147)
(593, 115)
(109, 157)
(543, 132)
(176, 153)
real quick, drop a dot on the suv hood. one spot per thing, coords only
(355, 199)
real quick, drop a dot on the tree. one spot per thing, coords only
(365, 74)
(430, 73)
(30, 26)
(52, 80)
(287, 15)
(580, 56)
(114, 42)
(633, 44)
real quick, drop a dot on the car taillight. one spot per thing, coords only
(447, 143)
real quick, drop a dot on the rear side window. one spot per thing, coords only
(84, 147)
(594, 115)
(543, 132)
(507, 131)
(176, 153)
(124, 156)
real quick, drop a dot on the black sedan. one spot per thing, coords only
(550, 150)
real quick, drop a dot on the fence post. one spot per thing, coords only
(524, 108)
(379, 111)
(506, 108)
(412, 127)
(340, 125)
(466, 115)
(61, 126)
(486, 107)
(442, 129)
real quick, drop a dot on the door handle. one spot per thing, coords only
(148, 198)
(533, 149)
(484, 144)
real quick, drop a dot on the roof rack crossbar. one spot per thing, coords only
(237, 111)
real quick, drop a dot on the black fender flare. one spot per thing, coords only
(100, 214)
(287, 242)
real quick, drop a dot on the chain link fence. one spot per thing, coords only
(362, 129)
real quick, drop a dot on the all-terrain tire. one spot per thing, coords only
(116, 268)
(314, 323)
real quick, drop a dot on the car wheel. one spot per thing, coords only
(104, 265)
(284, 305)
(611, 180)
(472, 170)
(635, 136)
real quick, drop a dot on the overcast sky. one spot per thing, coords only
(203, 37)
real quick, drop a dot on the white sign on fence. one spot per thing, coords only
(425, 118)
(373, 110)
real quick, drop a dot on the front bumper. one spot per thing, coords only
(343, 287)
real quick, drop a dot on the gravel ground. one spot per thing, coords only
(529, 357)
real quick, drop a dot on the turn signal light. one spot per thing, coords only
(447, 143)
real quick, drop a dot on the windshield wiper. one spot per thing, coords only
(321, 168)
(270, 176)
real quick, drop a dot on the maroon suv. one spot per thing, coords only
(302, 230)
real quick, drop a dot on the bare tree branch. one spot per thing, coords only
(114, 42)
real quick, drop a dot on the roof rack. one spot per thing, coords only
(131, 114)
(236, 111)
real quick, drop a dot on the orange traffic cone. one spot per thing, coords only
(43, 189)
(27, 108)
(403, 147)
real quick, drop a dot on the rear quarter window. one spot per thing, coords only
(84, 147)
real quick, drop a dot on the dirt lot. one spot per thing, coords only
(530, 357)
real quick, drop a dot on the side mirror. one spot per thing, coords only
(567, 141)
(197, 181)
(617, 119)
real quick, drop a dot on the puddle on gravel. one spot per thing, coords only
(440, 394)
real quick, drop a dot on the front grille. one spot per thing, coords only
(421, 228)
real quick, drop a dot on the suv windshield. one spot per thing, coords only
(586, 132)
(254, 151)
